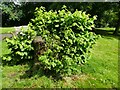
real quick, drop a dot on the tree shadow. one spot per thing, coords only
(107, 33)
(37, 69)
(34, 70)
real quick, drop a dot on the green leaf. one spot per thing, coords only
(56, 20)
(70, 41)
(56, 25)
(57, 37)
(49, 21)
(74, 24)
(62, 19)
(53, 64)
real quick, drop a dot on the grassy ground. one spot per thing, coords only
(7, 30)
(101, 71)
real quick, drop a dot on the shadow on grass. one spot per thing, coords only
(107, 33)
(39, 71)
(34, 70)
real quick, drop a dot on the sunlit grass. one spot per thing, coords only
(103, 64)
(3, 47)
(7, 30)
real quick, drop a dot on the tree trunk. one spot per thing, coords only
(117, 27)
(39, 47)
(118, 22)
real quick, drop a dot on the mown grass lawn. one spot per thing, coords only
(6, 30)
(101, 71)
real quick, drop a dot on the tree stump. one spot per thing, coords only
(39, 48)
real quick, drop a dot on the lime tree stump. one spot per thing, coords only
(39, 48)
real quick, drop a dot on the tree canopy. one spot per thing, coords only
(15, 14)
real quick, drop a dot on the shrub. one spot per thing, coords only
(21, 47)
(68, 39)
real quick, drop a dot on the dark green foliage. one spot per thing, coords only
(18, 15)
(21, 47)
(106, 12)
(68, 39)
(11, 13)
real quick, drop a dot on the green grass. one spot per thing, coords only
(4, 49)
(101, 71)
(6, 30)
(0, 78)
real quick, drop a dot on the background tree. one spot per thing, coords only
(118, 22)
(15, 15)
(10, 13)
(107, 12)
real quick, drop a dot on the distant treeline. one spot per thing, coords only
(15, 15)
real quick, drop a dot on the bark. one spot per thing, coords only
(118, 22)
(39, 48)
(117, 27)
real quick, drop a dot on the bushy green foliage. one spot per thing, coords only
(20, 46)
(68, 39)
